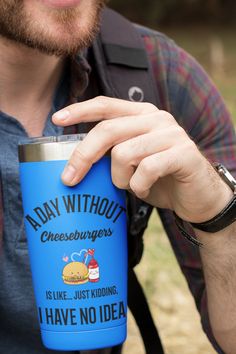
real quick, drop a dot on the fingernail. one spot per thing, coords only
(61, 115)
(68, 174)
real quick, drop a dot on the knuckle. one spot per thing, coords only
(191, 145)
(136, 143)
(78, 156)
(106, 126)
(119, 154)
(119, 179)
(102, 102)
(119, 183)
(148, 107)
(146, 167)
(188, 146)
(180, 130)
(177, 132)
(167, 116)
(137, 188)
(174, 162)
(170, 161)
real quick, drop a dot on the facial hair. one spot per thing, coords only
(17, 25)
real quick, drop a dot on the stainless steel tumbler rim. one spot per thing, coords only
(48, 148)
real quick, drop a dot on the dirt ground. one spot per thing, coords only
(170, 301)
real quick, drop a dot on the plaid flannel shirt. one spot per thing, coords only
(190, 96)
(187, 92)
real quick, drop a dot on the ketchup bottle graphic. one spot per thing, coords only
(93, 268)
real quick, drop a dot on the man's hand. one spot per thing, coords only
(151, 155)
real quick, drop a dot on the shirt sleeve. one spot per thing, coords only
(187, 92)
(199, 108)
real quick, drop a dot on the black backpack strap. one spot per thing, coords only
(124, 71)
(138, 217)
(123, 66)
(139, 307)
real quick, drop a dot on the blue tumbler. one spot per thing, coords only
(77, 241)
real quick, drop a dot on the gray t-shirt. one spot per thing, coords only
(19, 329)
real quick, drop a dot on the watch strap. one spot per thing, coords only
(226, 217)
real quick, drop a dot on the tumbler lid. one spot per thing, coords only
(48, 148)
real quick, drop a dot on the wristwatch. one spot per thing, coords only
(228, 215)
(226, 176)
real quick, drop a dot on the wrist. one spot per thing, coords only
(227, 214)
(221, 197)
(218, 245)
(224, 190)
(213, 195)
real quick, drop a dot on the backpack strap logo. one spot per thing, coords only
(136, 94)
(123, 66)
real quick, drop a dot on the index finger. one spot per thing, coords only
(100, 108)
(99, 140)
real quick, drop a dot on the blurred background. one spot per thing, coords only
(206, 29)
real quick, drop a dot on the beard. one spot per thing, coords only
(57, 32)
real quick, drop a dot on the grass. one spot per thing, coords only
(171, 304)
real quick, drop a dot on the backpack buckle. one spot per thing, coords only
(139, 220)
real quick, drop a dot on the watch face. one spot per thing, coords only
(226, 176)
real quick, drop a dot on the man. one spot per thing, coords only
(152, 155)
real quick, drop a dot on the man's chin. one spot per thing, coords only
(61, 45)
(60, 33)
(60, 4)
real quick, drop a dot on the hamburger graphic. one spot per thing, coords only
(75, 273)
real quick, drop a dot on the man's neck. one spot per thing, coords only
(28, 80)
